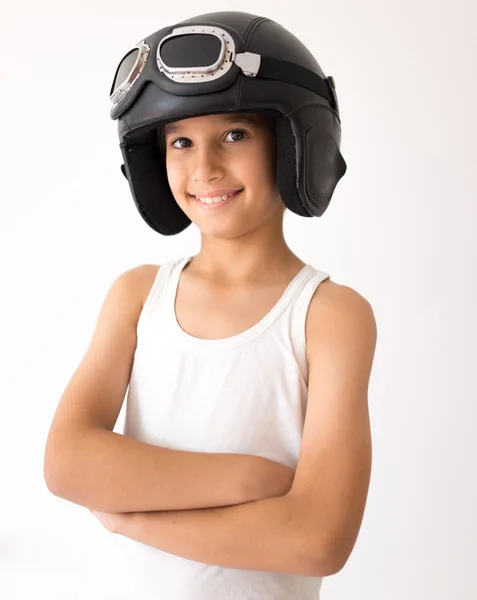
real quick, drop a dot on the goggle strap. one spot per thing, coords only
(267, 67)
(284, 70)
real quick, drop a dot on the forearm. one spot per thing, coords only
(114, 473)
(264, 535)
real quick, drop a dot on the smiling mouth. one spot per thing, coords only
(216, 201)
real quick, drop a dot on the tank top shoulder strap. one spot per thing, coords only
(299, 314)
(160, 289)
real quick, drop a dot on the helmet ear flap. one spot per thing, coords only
(324, 166)
(287, 166)
(150, 187)
(309, 161)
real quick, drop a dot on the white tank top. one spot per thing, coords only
(245, 394)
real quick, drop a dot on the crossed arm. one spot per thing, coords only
(313, 528)
(263, 535)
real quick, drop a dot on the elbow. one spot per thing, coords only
(325, 567)
(51, 476)
(324, 559)
(316, 555)
(313, 562)
(67, 475)
(314, 565)
(327, 561)
(54, 472)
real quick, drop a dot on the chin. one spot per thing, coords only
(221, 232)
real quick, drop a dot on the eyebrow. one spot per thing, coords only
(244, 119)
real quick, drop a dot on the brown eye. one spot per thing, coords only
(233, 132)
(178, 140)
(237, 131)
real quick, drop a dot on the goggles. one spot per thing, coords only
(206, 58)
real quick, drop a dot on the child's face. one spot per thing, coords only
(209, 153)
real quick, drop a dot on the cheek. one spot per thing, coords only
(175, 175)
(261, 168)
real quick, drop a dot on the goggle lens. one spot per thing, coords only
(125, 69)
(191, 52)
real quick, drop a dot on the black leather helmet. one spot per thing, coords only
(223, 62)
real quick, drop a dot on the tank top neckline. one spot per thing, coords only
(252, 332)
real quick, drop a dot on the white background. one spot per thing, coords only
(400, 230)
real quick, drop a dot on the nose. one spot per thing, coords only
(207, 164)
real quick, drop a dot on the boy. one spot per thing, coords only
(245, 462)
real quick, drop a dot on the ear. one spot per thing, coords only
(123, 169)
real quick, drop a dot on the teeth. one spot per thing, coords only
(215, 199)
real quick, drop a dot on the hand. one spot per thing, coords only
(111, 521)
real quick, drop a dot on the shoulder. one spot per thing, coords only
(337, 311)
(140, 279)
(332, 295)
